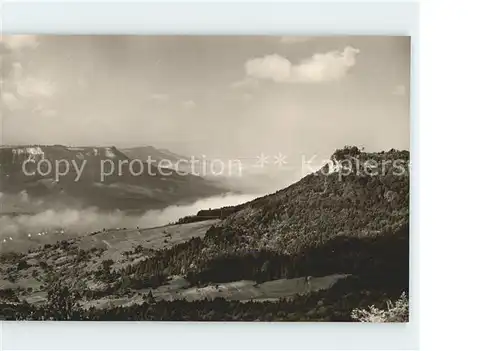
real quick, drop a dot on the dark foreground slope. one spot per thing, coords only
(356, 224)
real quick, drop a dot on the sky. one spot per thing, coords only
(220, 96)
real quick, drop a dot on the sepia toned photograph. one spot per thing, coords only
(205, 178)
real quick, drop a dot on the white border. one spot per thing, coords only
(333, 18)
(272, 18)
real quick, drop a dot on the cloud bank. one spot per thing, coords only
(83, 221)
(21, 89)
(323, 67)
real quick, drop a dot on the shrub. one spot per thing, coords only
(397, 312)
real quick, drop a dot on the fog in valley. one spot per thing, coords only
(81, 220)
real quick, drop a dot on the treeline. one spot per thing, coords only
(216, 213)
(333, 304)
(383, 258)
(195, 218)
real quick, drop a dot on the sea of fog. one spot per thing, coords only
(91, 219)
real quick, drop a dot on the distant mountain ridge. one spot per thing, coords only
(109, 179)
(164, 158)
(143, 152)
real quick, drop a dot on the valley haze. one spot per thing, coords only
(83, 220)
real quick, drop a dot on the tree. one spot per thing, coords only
(150, 298)
(62, 303)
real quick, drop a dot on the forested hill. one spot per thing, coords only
(327, 204)
(325, 223)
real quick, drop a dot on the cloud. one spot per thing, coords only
(323, 67)
(20, 89)
(32, 87)
(399, 90)
(10, 101)
(248, 82)
(294, 39)
(188, 104)
(20, 42)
